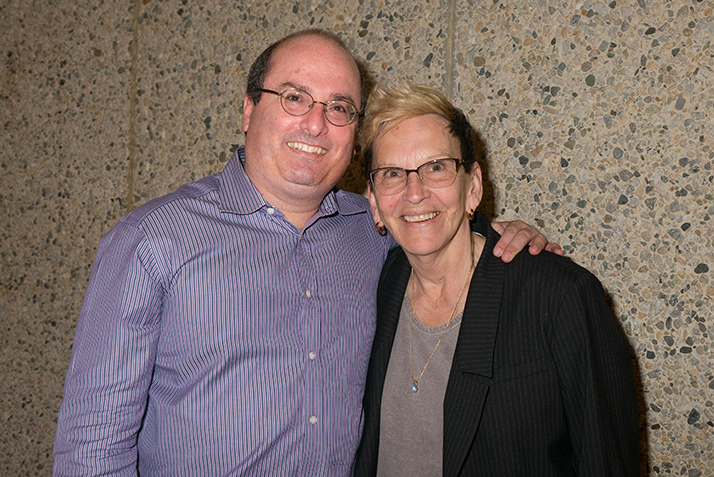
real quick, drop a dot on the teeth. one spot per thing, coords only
(420, 218)
(305, 148)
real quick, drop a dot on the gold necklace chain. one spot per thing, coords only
(415, 381)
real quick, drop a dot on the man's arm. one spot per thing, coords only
(516, 235)
(112, 361)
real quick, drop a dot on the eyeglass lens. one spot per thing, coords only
(436, 174)
(298, 103)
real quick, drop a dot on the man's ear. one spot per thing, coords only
(248, 106)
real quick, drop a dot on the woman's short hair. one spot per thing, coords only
(388, 107)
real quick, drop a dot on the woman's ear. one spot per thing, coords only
(475, 188)
(373, 204)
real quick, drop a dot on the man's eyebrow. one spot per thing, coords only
(342, 97)
(335, 97)
(288, 84)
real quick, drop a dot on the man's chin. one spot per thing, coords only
(311, 186)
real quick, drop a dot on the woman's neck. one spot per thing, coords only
(438, 283)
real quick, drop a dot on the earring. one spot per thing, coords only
(381, 229)
(471, 215)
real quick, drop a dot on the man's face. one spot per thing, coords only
(300, 158)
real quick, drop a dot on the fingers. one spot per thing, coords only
(537, 244)
(554, 247)
(516, 235)
(500, 227)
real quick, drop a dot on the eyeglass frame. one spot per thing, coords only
(458, 162)
(356, 114)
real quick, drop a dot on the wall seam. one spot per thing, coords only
(133, 105)
(449, 67)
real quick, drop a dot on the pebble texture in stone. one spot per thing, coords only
(64, 126)
(597, 117)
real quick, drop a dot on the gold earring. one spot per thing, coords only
(381, 229)
(471, 215)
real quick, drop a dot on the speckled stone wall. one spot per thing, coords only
(597, 115)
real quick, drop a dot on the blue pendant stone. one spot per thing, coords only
(414, 388)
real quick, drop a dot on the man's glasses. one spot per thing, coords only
(297, 102)
(435, 174)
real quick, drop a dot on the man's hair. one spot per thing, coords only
(261, 66)
(388, 107)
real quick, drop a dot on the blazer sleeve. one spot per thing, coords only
(597, 381)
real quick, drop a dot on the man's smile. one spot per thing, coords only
(307, 148)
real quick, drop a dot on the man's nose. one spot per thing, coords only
(314, 121)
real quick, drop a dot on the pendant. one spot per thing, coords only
(414, 387)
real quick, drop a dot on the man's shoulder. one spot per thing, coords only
(353, 202)
(186, 197)
(220, 190)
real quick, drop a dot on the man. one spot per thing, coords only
(227, 326)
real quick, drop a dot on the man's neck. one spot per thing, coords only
(297, 209)
(299, 220)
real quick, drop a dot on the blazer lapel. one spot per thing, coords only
(472, 366)
(393, 284)
(389, 305)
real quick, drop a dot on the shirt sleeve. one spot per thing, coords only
(597, 382)
(112, 360)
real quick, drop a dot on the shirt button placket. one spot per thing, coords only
(311, 319)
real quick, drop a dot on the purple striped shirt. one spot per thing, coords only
(217, 339)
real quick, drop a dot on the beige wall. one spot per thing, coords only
(598, 117)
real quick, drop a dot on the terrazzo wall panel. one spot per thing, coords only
(596, 115)
(63, 111)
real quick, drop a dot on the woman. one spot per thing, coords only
(479, 367)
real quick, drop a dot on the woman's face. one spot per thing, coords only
(422, 219)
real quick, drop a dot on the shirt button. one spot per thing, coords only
(313, 420)
(308, 293)
(312, 355)
(271, 211)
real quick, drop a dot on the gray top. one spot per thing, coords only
(411, 428)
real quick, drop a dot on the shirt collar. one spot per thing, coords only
(237, 193)
(239, 196)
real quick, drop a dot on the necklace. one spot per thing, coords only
(415, 381)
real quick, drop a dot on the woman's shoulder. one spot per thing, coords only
(550, 273)
(549, 263)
